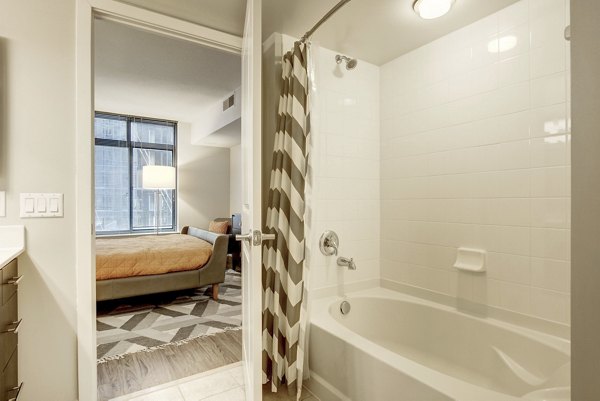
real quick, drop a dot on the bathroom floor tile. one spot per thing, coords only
(204, 387)
(171, 394)
(225, 384)
(238, 375)
(282, 395)
(235, 394)
(199, 386)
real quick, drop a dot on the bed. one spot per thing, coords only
(127, 267)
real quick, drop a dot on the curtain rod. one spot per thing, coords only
(325, 18)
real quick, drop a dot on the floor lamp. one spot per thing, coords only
(157, 178)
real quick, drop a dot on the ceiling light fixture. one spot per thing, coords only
(430, 9)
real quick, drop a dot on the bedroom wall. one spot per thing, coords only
(37, 154)
(203, 174)
(477, 154)
(235, 179)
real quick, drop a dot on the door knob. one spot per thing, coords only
(244, 237)
(255, 237)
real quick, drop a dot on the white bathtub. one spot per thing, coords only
(393, 346)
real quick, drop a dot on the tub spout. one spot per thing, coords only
(348, 262)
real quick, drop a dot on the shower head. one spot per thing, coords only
(350, 62)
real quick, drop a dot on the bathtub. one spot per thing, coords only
(395, 347)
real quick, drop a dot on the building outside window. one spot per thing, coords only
(123, 145)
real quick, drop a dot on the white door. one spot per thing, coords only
(251, 201)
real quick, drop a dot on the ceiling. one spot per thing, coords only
(146, 74)
(222, 15)
(373, 30)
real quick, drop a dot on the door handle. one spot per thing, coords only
(15, 329)
(17, 390)
(244, 237)
(255, 237)
(268, 237)
(15, 280)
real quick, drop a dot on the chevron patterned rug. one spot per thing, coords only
(146, 323)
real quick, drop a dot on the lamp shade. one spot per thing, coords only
(158, 177)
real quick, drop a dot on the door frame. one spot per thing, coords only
(251, 150)
(85, 254)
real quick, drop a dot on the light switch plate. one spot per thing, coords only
(41, 205)
(2, 204)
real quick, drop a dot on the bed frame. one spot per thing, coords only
(213, 272)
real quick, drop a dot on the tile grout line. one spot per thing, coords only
(180, 392)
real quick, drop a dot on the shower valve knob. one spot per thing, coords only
(329, 242)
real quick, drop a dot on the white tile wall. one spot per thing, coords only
(475, 152)
(346, 164)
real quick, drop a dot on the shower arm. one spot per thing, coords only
(339, 59)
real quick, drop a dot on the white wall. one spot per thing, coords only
(586, 208)
(475, 150)
(271, 91)
(37, 142)
(217, 127)
(203, 175)
(235, 179)
(346, 166)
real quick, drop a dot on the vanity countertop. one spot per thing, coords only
(12, 243)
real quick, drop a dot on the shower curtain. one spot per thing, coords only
(284, 260)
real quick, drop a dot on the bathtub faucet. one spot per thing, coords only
(349, 262)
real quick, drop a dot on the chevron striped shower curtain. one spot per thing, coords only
(284, 267)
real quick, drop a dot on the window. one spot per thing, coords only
(124, 144)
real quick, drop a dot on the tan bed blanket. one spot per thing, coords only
(150, 254)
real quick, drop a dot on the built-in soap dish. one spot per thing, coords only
(469, 259)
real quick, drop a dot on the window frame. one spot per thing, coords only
(131, 146)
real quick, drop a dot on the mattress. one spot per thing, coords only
(149, 255)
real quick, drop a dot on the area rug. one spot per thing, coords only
(151, 322)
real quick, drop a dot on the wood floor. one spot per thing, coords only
(148, 369)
